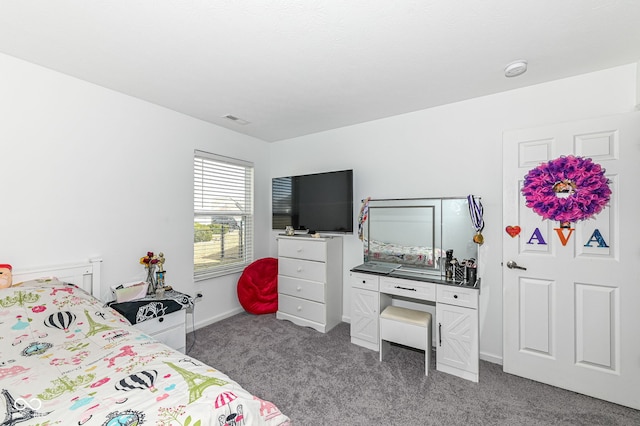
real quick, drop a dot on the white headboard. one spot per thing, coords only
(85, 275)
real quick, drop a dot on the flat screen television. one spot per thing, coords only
(320, 202)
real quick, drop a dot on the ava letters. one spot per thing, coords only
(564, 234)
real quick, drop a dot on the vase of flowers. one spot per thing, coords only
(150, 262)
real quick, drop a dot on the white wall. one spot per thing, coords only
(87, 171)
(453, 150)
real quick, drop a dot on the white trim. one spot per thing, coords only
(222, 158)
(494, 359)
(211, 320)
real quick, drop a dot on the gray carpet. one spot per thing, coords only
(323, 379)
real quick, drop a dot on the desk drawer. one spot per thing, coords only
(303, 248)
(365, 281)
(302, 308)
(459, 296)
(310, 290)
(303, 269)
(414, 289)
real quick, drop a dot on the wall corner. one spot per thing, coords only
(637, 100)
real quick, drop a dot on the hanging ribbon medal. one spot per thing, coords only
(362, 217)
(476, 211)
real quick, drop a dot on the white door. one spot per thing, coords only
(572, 318)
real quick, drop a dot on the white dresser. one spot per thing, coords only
(310, 281)
(456, 325)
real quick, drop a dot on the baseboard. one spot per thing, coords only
(211, 320)
(495, 359)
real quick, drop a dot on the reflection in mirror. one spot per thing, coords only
(457, 229)
(402, 234)
(412, 235)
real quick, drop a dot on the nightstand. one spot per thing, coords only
(162, 319)
(169, 329)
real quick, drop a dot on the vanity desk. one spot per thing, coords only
(408, 270)
(456, 315)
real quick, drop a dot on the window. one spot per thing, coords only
(222, 215)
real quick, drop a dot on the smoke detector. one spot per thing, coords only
(515, 69)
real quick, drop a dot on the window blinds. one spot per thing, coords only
(223, 215)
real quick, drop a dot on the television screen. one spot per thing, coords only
(321, 202)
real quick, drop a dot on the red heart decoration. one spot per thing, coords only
(513, 230)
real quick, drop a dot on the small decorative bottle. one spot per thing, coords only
(448, 266)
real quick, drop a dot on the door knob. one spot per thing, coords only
(513, 265)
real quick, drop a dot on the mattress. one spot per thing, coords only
(67, 359)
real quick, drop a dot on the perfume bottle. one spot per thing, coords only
(448, 266)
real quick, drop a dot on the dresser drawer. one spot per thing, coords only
(459, 296)
(159, 324)
(415, 289)
(365, 281)
(310, 290)
(303, 248)
(303, 269)
(302, 308)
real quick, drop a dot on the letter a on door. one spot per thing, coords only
(537, 235)
(597, 237)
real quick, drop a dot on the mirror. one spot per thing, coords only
(411, 236)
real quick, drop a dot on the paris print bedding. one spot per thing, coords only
(65, 359)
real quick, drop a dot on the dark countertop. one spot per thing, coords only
(415, 274)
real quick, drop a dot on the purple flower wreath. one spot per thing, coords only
(567, 189)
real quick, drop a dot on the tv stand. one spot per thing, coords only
(310, 281)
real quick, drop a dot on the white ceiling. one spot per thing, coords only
(292, 68)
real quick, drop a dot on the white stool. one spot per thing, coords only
(406, 327)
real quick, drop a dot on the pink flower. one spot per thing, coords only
(39, 308)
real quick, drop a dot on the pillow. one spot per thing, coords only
(258, 286)
(5, 275)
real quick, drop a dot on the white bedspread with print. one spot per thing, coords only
(67, 360)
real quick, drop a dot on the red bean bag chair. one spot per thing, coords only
(258, 286)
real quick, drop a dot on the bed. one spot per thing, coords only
(67, 359)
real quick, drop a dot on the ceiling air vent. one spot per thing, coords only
(235, 119)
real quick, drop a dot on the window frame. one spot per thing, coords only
(223, 187)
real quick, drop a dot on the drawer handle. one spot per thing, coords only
(299, 250)
(299, 308)
(160, 319)
(405, 288)
(455, 296)
(299, 268)
(298, 288)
